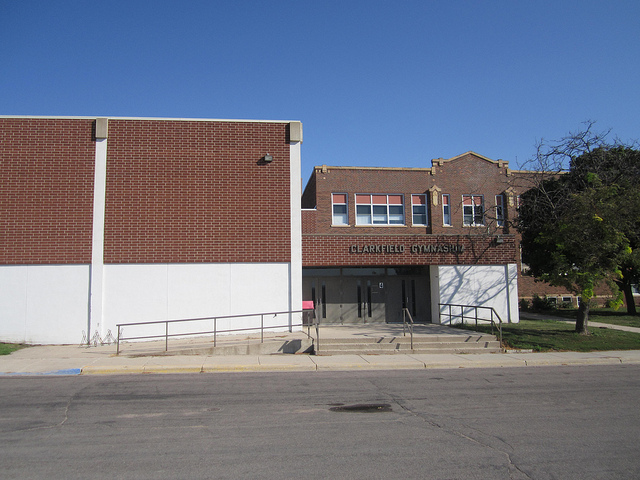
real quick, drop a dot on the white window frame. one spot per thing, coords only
(476, 211)
(376, 211)
(500, 210)
(420, 206)
(344, 216)
(446, 210)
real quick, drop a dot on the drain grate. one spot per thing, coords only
(363, 408)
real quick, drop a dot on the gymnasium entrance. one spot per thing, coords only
(360, 295)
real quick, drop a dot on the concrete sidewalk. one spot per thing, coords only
(186, 355)
(74, 360)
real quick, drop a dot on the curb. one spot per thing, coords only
(418, 365)
(91, 370)
(64, 372)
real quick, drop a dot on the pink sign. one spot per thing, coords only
(307, 305)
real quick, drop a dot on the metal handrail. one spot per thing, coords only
(451, 315)
(215, 330)
(316, 321)
(405, 325)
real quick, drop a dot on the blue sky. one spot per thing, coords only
(375, 83)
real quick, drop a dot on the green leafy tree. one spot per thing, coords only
(616, 170)
(580, 225)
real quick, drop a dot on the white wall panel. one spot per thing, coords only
(197, 291)
(481, 285)
(13, 303)
(142, 293)
(44, 303)
(259, 287)
(134, 293)
(512, 277)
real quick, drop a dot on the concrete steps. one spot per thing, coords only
(474, 343)
(382, 339)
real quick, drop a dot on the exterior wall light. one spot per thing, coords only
(267, 158)
(499, 240)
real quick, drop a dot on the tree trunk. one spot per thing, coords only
(628, 298)
(583, 317)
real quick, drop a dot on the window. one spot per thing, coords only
(446, 210)
(500, 210)
(340, 215)
(419, 209)
(472, 210)
(379, 209)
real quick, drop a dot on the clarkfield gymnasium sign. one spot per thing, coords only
(416, 248)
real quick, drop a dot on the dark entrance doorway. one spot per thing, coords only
(358, 295)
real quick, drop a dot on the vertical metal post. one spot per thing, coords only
(492, 321)
(261, 328)
(118, 342)
(411, 336)
(215, 324)
(404, 323)
(317, 322)
(166, 336)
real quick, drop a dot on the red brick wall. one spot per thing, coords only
(309, 221)
(309, 195)
(338, 250)
(46, 194)
(191, 191)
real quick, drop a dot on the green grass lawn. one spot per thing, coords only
(551, 335)
(7, 348)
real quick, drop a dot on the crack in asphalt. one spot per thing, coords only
(426, 418)
(47, 427)
(59, 424)
(511, 464)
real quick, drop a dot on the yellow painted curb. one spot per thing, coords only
(172, 369)
(90, 370)
(258, 368)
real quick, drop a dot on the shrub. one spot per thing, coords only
(542, 304)
(613, 303)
